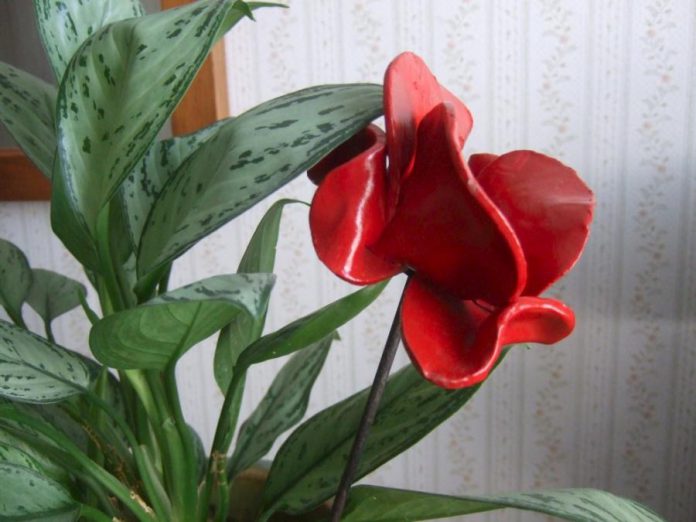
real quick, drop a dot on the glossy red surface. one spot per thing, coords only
(481, 239)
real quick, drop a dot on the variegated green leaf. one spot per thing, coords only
(117, 91)
(52, 294)
(35, 370)
(259, 256)
(157, 333)
(376, 504)
(64, 25)
(249, 158)
(143, 185)
(27, 106)
(311, 328)
(47, 466)
(282, 407)
(28, 495)
(308, 467)
(13, 455)
(15, 279)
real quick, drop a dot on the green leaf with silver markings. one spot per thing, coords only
(27, 107)
(155, 334)
(13, 455)
(259, 256)
(377, 504)
(117, 92)
(35, 370)
(283, 406)
(308, 467)
(53, 294)
(143, 185)
(15, 279)
(28, 495)
(311, 328)
(248, 159)
(64, 26)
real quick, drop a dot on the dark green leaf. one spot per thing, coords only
(282, 407)
(15, 278)
(28, 495)
(27, 106)
(160, 331)
(309, 465)
(259, 256)
(63, 26)
(376, 504)
(118, 90)
(34, 370)
(243, 9)
(249, 158)
(53, 294)
(311, 328)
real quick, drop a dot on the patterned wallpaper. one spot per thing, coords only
(609, 86)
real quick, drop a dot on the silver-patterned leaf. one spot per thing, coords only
(27, 107)
(249, 158)
(117, 92)
(53, 294)
(34, 370)
(282, 407)
(160, 331)
(377, 504)
(307, 469)
(259, 256)
(27, 495)
(143, 185)
(63, 26)
(15, 278)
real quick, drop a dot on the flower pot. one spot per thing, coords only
(245, 500)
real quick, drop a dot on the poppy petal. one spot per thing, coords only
(349, 211)
(455, 343)
(355, 145)
(446, 229)
(549, 207)
(410, 92)
(478, 162)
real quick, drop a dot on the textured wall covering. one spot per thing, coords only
(609, 86)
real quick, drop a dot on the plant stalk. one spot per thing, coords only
(368, 417)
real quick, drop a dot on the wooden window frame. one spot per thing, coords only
(205, 102)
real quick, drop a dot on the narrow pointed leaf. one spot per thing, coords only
(143, 185)
(63, 26)
(282, 407)
(34, 370)
(259, 256)
(28, 495)
(308, 467)
(118, 90)
(248, 159)
(15, 278)
(157, 333)
(52, 294)
(27, 107)
(377, 504)
(311, 328)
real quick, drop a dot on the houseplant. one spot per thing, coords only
(106, 439)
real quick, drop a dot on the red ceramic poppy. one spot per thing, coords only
(482, 240)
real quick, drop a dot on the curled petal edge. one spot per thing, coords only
(350, 209)
(455, 344)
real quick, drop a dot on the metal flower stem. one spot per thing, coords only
(376, 391)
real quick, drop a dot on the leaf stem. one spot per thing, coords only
(376, 391)
(217, 462)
